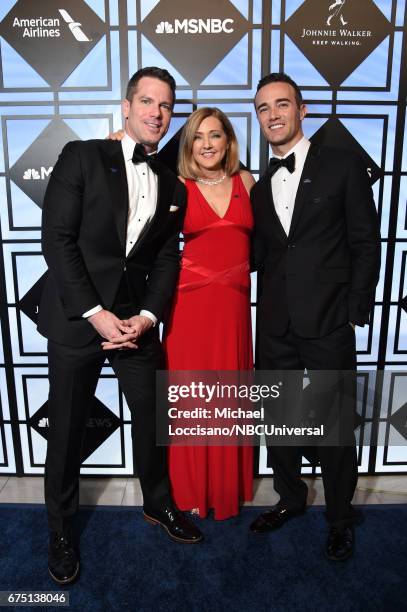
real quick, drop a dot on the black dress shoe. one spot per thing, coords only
(176, 524)
(63, 563)
(340, 544)
(273, 519)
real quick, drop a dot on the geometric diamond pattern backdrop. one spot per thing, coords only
(63, 71)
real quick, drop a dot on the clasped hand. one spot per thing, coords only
(119, 334)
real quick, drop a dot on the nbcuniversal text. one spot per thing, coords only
(249, 429)
(246, 408)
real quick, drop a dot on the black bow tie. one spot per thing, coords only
(140, 156)
(276, 163)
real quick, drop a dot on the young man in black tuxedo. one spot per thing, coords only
(317, 246)
(111, 221)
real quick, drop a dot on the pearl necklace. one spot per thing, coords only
(209, 182)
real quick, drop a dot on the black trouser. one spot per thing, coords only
(334, 352)
(73, 376)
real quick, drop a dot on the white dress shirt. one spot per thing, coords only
(284, 184)
(142, 185)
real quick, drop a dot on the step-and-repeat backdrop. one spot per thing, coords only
(63, 70)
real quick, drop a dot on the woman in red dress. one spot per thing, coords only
(210, 325)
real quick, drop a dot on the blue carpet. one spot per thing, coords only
(128, 564)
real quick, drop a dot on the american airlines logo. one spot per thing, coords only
(49, 27)
(74, 26)
(36, 175)
(52, 36)
(196, 26)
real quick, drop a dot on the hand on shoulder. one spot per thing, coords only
(119, 135)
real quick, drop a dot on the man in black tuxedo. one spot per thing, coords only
(317, 246)
(111, 221)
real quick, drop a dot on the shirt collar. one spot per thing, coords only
(300, 149)
(128, 145)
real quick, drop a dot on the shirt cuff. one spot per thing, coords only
(91, 312)
(149, 315)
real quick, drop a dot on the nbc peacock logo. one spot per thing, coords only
(32, 174)
(164, 27)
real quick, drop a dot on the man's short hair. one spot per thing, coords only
(281, 77)
(153, 72)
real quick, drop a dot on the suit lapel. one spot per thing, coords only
(305, 185)
(268, 199)
(115, 170)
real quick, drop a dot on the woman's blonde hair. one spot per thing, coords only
(187, 167)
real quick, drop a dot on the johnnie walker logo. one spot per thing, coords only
(337, 36)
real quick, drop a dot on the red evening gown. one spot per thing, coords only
(210, 329)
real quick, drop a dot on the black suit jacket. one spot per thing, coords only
(324, 273)
(84, 228)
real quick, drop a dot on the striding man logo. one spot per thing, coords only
(335, 12)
